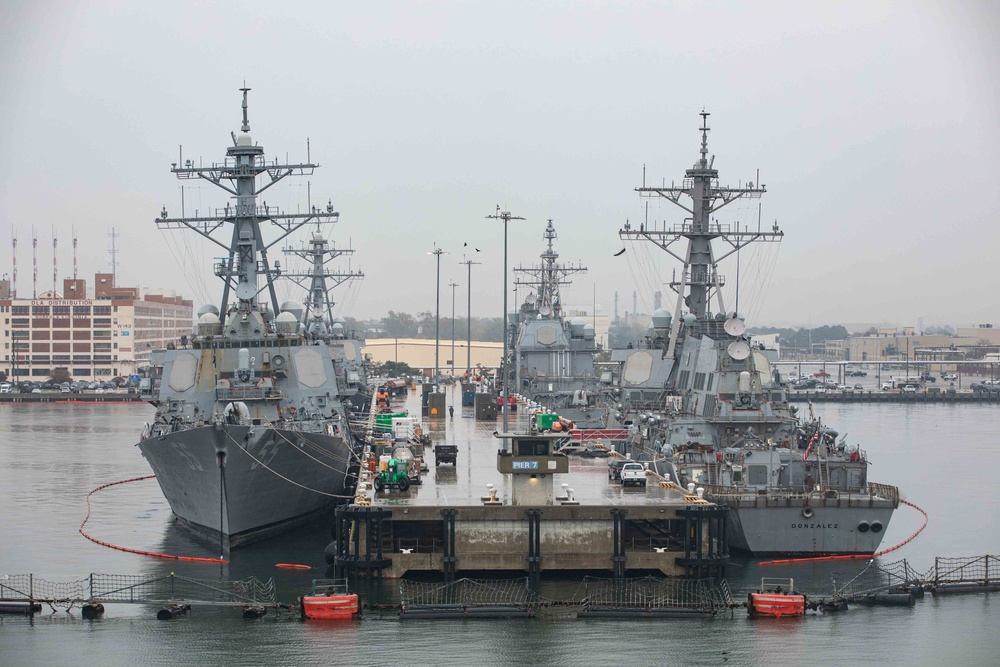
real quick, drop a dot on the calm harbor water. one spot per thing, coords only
(942, 457)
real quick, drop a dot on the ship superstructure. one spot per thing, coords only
(251, 435)
(553, 356)
(699, 398)
(321, 324)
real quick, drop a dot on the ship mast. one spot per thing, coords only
(700, 275)
(246, 262)
(547, 277)
(320, 251)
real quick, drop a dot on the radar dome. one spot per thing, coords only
(588, 331)
(576, 326)
(690, 319)
(286, 323)
(209, 324)
(661, 318)
(208, 308)
(295, 308)
(243, 139)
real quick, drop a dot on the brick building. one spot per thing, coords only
(97, 336)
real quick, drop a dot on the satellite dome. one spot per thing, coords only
(209, 324)
(286, 323)
(208, 308)
(295, 308)
(690, 319)
(588, 331)
(661, 318)
(243, 139)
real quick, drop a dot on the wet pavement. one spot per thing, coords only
(465, 483)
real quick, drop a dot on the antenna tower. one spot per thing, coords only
(13, 286)
(34, 264)
(74, 253)
(113, 250)
(55, 268)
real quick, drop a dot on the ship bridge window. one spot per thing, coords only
(531, 447)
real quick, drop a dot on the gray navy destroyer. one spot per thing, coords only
(251, 434)
(553, 357)
(703, 403)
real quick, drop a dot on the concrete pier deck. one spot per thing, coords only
(444, 525)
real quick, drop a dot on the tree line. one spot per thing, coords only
(421, 325)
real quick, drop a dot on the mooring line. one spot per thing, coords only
(813, 559)
(141, 552)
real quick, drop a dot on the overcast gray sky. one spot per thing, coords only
(875, 126)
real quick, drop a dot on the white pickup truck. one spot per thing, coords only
(633, 473)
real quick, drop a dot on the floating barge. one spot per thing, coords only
(515, 505)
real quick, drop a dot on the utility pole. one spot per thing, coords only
(437, 252)
(506, 217)
(452, 285)
(468, 323)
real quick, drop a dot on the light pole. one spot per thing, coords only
(437, 252)
(506, 217)
(452, 285)
(468, 323)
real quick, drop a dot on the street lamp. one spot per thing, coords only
(506, 217)
(452, 285)
(468, 323)
(437, 252)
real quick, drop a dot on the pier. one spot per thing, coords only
(522, 508)
(895, 396)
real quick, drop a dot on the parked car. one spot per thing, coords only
(909, 389)
(886, 386)
(633, 473)
(949, 376)
(857, 374)
(615, 469)
(859, 387)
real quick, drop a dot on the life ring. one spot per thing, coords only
(807, 512)
(292, 410)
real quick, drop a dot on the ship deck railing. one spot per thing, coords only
(248, 394)
(724, 495)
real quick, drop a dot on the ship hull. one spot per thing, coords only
(269, 480)
(787, 531)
